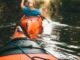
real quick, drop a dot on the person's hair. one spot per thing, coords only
(26, 3)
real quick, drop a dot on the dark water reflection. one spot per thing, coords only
(5, 32)
(71, 37)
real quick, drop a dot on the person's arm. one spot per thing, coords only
(42, 15)
(22, 4)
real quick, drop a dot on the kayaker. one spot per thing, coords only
(35, 27)
(29, 9)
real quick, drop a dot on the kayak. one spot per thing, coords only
(32, 25)
(21, 48)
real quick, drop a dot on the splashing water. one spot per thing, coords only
(49, 25)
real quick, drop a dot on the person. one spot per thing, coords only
(29, 9)
(31, 22)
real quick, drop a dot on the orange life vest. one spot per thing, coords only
(32, 25)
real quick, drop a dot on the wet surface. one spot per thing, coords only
(63, 43)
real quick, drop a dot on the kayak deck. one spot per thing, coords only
(24, 57)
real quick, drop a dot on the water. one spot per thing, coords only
(58, 39)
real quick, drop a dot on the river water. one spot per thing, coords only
(61, 40)
(58, 39)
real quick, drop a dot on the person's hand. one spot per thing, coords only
(30, 1)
